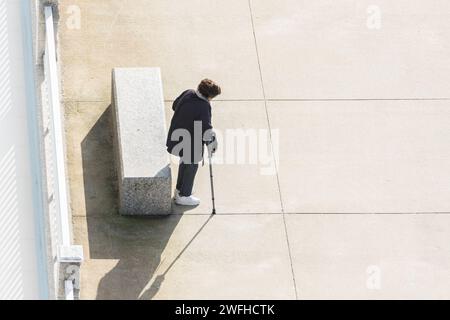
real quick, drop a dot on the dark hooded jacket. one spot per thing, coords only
(189, 108)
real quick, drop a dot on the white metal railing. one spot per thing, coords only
(51, 75)
(59, 214)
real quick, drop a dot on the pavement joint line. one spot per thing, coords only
(274, 214)
(326, 100)
(272, 145)
(370, 213)
(284, 100)
(265, 103)
(361, 99)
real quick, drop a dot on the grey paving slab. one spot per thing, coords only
(190, 257)
(370, 256)
(187, 39)
(363, 157)
(355, 49)
(234, 257)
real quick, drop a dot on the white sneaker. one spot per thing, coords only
(187, 201)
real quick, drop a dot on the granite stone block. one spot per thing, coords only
(140, 133)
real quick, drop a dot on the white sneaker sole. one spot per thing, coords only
(180, 203)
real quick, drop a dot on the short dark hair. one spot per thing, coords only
(209, 89)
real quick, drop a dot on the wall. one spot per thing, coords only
(21, 254)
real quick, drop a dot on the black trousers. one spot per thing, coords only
(186, 178)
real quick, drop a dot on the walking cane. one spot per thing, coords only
(212, 181)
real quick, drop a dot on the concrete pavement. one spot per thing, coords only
(358, 94)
